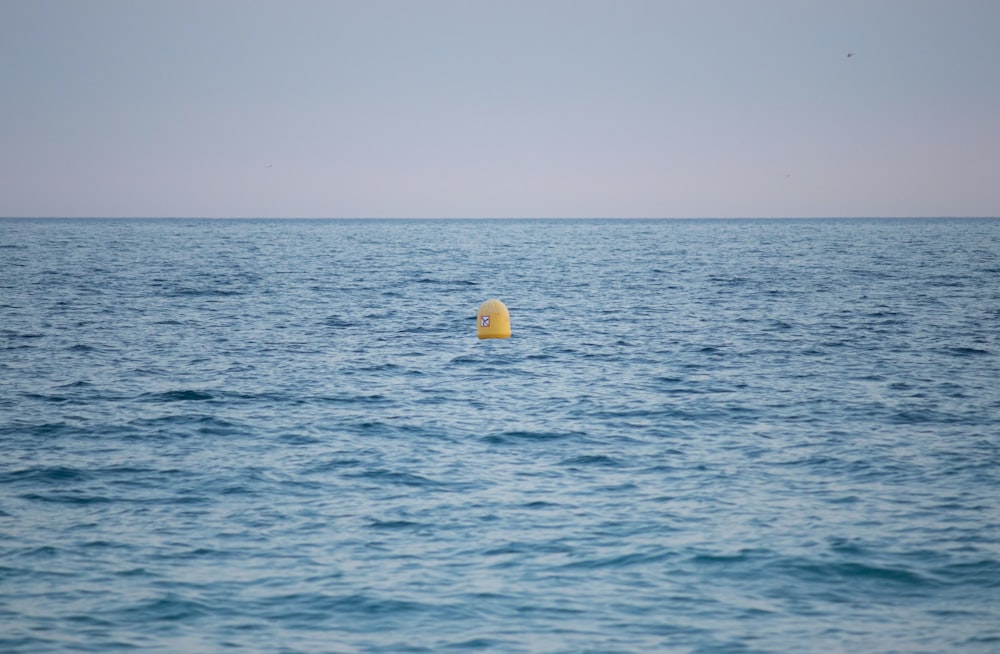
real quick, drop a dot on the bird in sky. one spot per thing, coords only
(850, 54)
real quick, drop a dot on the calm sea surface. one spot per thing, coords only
(703, 436)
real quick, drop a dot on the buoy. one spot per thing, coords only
(493, 320)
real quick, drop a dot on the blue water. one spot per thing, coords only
(703, 436)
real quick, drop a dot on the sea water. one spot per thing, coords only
(703, 436)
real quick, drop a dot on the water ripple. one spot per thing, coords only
(703, 436)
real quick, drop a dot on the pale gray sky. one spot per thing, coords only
(434, 108)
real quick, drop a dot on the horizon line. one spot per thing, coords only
(886, 217)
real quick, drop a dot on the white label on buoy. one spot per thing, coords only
(486, 321)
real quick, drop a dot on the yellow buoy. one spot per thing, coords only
(493, 320)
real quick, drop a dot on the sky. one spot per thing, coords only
(507, 108)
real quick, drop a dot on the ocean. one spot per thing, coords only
(738, 436)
